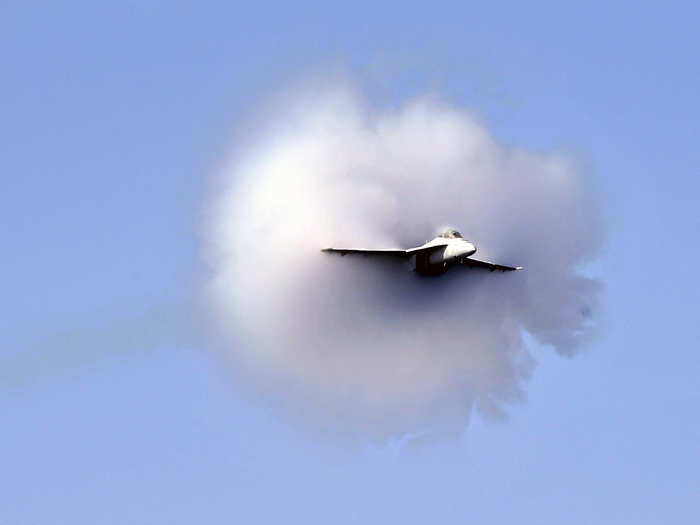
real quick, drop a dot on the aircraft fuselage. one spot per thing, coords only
(438, 260)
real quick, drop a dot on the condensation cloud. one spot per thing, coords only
(368, 346)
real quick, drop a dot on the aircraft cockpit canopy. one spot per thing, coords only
(451, 234)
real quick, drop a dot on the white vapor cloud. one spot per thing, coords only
(367, 346)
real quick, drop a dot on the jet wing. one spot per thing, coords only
(428, 247)
(346, 251)
(390, 252)
(467, 261)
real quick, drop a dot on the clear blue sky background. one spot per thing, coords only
(112, 114)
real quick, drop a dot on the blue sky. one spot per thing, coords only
(114, 116)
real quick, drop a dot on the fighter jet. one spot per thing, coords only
(434, 257)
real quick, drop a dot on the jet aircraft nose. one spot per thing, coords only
(469, 248)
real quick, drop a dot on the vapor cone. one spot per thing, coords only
(368, 345)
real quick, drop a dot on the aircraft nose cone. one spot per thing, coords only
(470, 249)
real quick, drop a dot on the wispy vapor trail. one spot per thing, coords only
(367, 345)
(172, 324)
